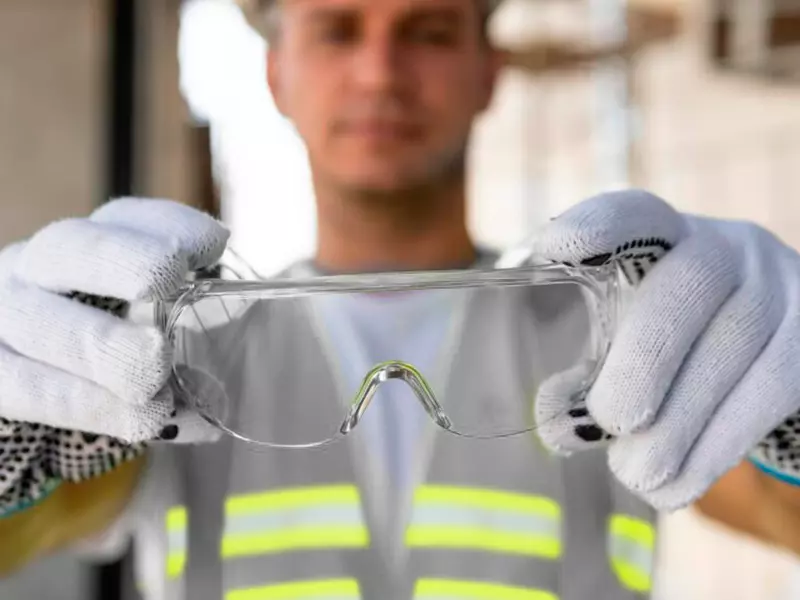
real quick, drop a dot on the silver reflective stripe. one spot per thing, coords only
(312, 516)
(633, 553)
(496, 520)
(177, 540)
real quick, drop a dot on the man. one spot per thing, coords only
(384, 95)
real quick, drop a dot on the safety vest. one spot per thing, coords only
(489, 519)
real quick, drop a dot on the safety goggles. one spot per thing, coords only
(300, 362)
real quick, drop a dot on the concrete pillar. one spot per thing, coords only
(164, 156)
(52, 86)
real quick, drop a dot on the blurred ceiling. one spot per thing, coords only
(556, 36)
(754, 38)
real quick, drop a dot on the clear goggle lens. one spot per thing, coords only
(300, 363)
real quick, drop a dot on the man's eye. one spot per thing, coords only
(336, 34)
(434, 35)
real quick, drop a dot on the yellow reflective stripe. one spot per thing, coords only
(451, 589)
(488, 520)
(483, 539)
(490, 499)
(176, 518)
(630, 576)
(330, 589)
(176, 562)
(293, 539)
(291, 498)
(638, 530)
(296, 538)
(632, 547)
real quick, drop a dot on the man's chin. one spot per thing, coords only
(393, 181)
(386, 184)
(380, 176)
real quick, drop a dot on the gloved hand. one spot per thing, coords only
(80, 384)
(703, 369)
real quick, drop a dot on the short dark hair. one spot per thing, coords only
(264, 16)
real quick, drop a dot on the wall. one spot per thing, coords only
(165, 160)
(52, 112)
(51, 69)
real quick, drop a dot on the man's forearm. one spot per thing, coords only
(756, 504)
(73, 512)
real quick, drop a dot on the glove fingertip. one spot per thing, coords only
(188, 427)
(149, 419)
(598, 229)
(199, 236)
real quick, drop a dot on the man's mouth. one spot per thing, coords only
(383, 130)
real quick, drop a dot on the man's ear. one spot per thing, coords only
(274, 79)
(496, 61)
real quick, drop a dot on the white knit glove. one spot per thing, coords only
(80, 384)
(703, 369)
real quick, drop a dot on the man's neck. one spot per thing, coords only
(417, 231)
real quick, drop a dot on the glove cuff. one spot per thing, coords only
(35, 460)
(773, 472)
(20, 497)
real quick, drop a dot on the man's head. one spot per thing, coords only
(383, 92)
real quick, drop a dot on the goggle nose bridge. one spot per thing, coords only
(384, 372)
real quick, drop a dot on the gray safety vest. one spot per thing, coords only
(490, 519)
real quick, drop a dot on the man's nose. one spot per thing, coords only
(379, 66)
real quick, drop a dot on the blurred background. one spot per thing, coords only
(696, 100)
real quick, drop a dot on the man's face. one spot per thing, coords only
(383, 92)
